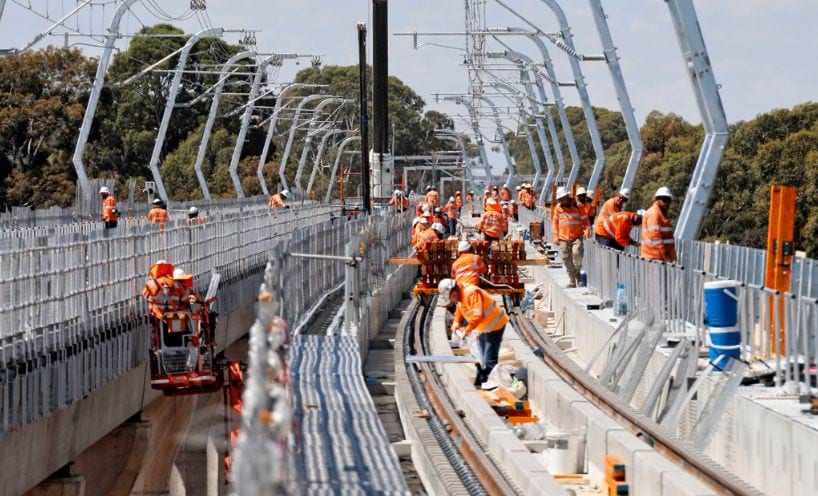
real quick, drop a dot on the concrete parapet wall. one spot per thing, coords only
(32, 453)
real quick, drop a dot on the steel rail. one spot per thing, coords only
(679, 452)
(434, 394)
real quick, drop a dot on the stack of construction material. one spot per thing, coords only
(501, 258)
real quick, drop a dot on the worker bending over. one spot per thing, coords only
(618, 230)
(482, 314)
(610, 207)
(468, 267)
(568, 226)
(193, 218)
(110, 214)
(586, 206)
(657, 231)
(278, 200)
(493, 223)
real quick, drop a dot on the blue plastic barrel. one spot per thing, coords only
(720, 304)
(724, 341)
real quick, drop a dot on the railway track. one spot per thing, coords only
(680, 452)
(467, 458)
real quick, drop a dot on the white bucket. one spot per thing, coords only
(563, 453)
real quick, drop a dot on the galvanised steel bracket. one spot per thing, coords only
(708, 100)
(93, 98)
(211, 118)
(153, 164)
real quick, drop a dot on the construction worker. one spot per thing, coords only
(420, 223)
(486, 196)
(470, 197)
(425, 235)
(193, 218)
(278, 200)
(110, 214)
(468, 267)
(182, 293)
(618, 230)
(398, 201)
(610, 207)
(586, 207)
(452, 214)
(412, 197)
(439, 217)
(458, 200)
(568, 225)
(520, 193)
(505, 194)
(657, 231)
(482, 314)
(160, 278)
(493, 224)
(158, 214)
(515, 211)
(439, 229)
(432, 196)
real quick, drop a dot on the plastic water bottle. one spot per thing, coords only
(620, 306)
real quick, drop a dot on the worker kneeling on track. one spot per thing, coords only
(482, 315)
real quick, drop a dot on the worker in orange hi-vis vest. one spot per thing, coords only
(610, 207)
(482, 314)
(432, 196)
(425, 235)
(110, 214)
(458, 200)
(568, 226)
(278, 200)
(193, 217)
(468, 267)
(586, 207)
(399, 202)
(417, 227)
(235, 388)
(618, 230)
(657, 231)
(452, 214)
(158, 214)
(505, 194)
(493, 223)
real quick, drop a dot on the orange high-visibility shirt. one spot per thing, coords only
(657, 236)
(505, 194)
(399, 206)
(467, 269)
(493, 224)
(108, 206)
(158, 215)
(452, 211)
(618, 227)
(568, 223)
(458, 201)
(424, 237)
(481, 312)
(277, 201)
(610, 207)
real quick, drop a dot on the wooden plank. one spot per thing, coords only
(519, 263)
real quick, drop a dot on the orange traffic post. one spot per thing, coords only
(780, 250)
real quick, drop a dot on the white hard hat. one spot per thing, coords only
(104, 189)
(625, 193)
(664, 191)
(397, 192)
(157, 201)
(513, 202)
(444, 289)
(193, 211)
(591, 194)
(437, 226)
(581, 191)
(178, 273)
(423, 220)
(451, 199)
(640, 212)
(285, 193)
(463, 246)
(491, 201)
(518, 188)
(426, 208)
(562, 193)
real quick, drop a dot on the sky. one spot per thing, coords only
(764, 52)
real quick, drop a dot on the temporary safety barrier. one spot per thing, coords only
(71, 311)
